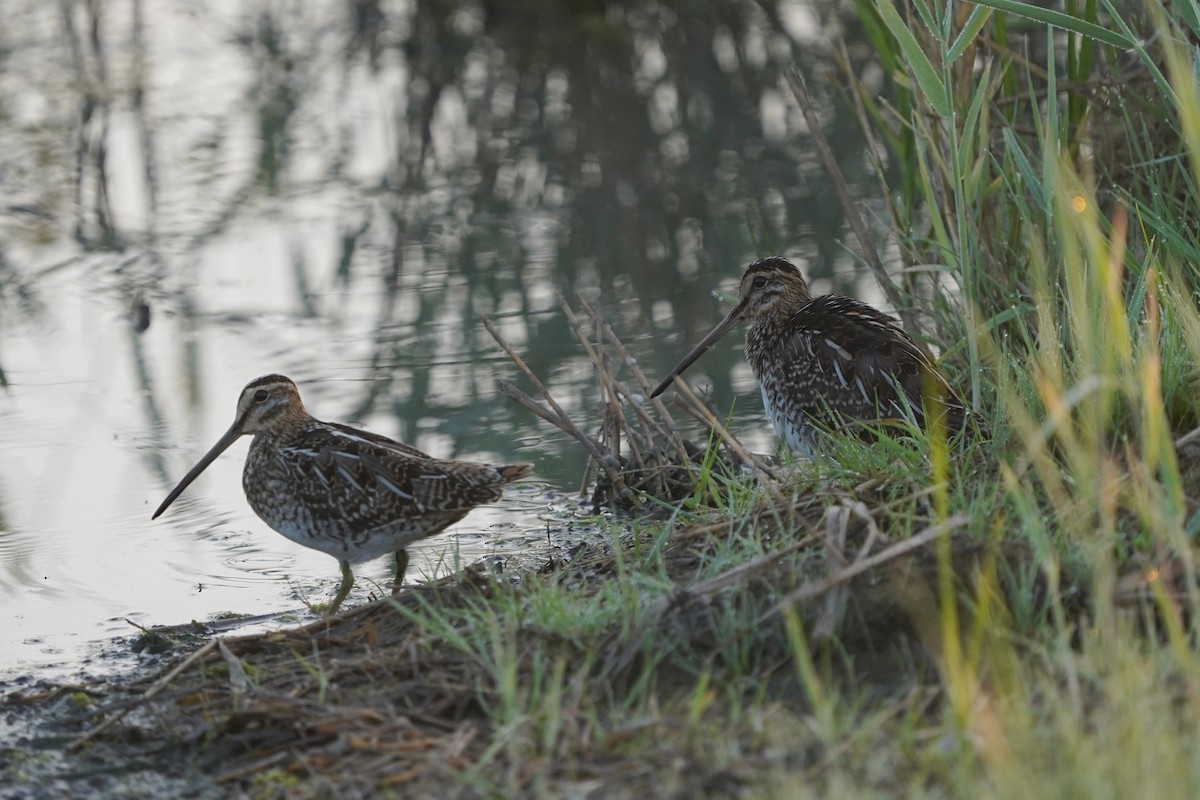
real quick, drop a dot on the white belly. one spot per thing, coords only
(796, 433)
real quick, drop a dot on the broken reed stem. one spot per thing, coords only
(667, 429)
(650, 438)
(1187, 438)
(557, 417)
(521, 365)
(730, 440)
(610, 388)
(594, 448)
(639, 411)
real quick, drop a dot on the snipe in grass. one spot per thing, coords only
(349, 493)
(823, 362)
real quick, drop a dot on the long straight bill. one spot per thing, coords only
(221, 446)
(708, 341)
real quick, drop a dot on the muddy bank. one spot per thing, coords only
(607, 670)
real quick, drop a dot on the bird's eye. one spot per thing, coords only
(260, 395)
(759, 282)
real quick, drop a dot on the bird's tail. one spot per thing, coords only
(512, 472)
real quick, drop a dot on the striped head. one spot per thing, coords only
(268, 405)
(770, 287)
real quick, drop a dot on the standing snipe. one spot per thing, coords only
(351, 494)
(824, 360)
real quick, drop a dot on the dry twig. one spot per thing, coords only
(638, 449)
(148, 695)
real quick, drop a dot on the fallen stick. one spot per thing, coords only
(148, 695)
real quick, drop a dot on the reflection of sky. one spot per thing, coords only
(242, 281)
(83, 469)
(86, 458)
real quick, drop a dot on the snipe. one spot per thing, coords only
(349, 493)
(823, 362)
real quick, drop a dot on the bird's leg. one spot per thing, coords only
(343, 590)
(401, 568)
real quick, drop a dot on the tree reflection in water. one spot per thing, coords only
(472, 159)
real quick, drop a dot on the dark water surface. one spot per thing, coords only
(340, 191)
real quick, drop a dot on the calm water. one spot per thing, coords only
(340, 191)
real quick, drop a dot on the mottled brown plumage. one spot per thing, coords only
(823, 361)
(349, 493)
